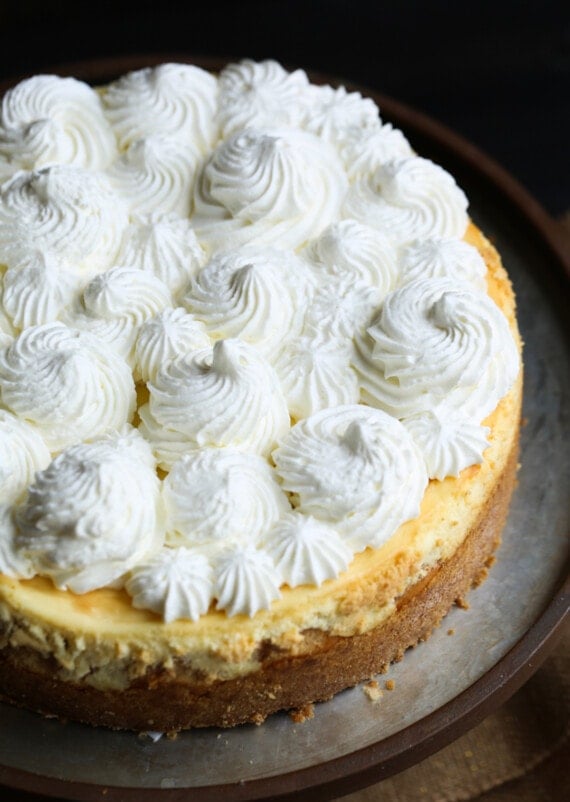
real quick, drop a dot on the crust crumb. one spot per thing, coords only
(480, 578)
(372, 690)
(303, 714)
(451, 632)
(462, 603)
(390, 684)
(258, 718)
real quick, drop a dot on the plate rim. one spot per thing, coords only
(363, 767)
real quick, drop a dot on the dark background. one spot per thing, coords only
(496, 72)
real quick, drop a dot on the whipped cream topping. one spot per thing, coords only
(7, 331)
(257, 295)
(38, 293)
(315, 373)
(261, 94)
(307, 551)
(47, 119)
(443, 258)
(356, 468)
(235, 398)
(246, 581)
(13, 562)
(174, 582)
(434, 341)
(409, 199)
(66, 383)
(93, 513)
(356, 253)
(270, 186)
(175, 100)
(449, 440)
(165, 245)
(67, 213)
(363, 151)
(219, 496)
(22, 453)
(342, 308)
(336, 115)
(162, 338)
(155, 175)
(115, 304)
(289, 282)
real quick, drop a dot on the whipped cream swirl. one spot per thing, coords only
(67, 213)
(335, 114)
(315, 373)
(38, 293)
(269, 186)
(356, 253)
(307, 551)
(409, 199)
(246, 581)
(363, 151)
(174, 582)
(356, 468)
(176, 100)
(164, 337)
(116, 303)
(234, 396)
(155, 175)
(342, 308)
(22, 453)
(257, 295)
(165, 245)
(434, 341)
(439, 257)
(13, 562)
(261, 94)
(221, 496)
(51, 120)
(449, 440)
(66, 383)
(93, 513)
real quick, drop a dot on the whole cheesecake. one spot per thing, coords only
(260, 396)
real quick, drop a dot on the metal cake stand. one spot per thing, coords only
(443, 686)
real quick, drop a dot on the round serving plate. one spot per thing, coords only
(468, 667)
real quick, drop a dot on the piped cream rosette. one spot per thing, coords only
(269, 186)
(93, 513)
(256, 294)
(51, 120)
(67, 213)
(261, 94)
(235, 398)
(22, 453)
(174, 100)
(115, 304)
(356, 468)
(66, 384)
(408, 199)
(439, 356)
(164, 245)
